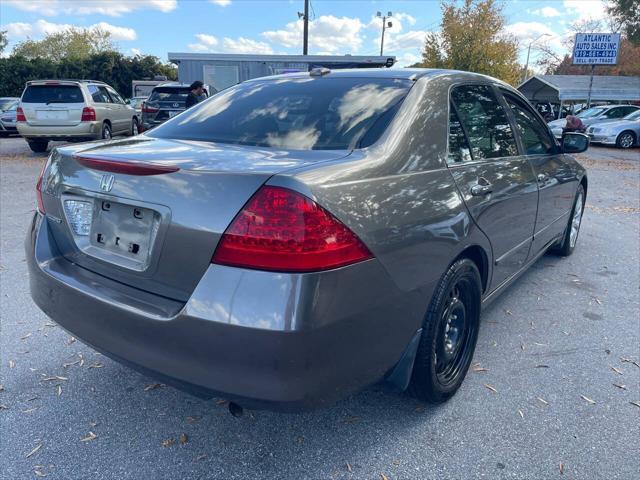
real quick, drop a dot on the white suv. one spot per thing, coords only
(72, 110)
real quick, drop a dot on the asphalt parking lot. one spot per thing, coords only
(554, 391)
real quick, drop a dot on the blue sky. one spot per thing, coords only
(260, 26)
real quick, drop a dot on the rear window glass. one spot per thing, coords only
(166, 94)
(52, 94)
(294, 113)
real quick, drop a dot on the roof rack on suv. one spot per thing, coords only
(79, 80)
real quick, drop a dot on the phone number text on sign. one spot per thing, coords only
(596, 49)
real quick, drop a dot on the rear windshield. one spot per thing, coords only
(169, 94)
(294, 113)
(52, 94)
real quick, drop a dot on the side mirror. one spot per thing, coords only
(574, 142)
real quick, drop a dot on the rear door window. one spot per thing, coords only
(534, 134)
(485, 121)
(52, 94)
(115, 97)
(459, 151)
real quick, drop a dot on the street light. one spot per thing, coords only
(385, 25)
(526, 67)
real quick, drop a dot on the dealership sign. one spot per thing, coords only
(596, 49)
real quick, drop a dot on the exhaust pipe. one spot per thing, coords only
(235, 409)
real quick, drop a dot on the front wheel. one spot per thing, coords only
(449, 334)
(570, 238)
(626, 140)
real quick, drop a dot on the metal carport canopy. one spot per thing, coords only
(575, 88)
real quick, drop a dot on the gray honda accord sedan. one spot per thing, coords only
(293, 239)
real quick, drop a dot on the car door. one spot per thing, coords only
(123, 114)
(555, 177)
(497, 184)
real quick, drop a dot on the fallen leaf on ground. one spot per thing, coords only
(419, 408)
(193, 419)
(520, 413)
(93, 424)
(478, 368)
(168, 442)
(12, 364)
(59, 390)
(588, 400)
(616, 370)
(96, 365)
(3, 407)
(383, 477)
(637, 404)
(39, 473)
(561, 468)
(349, 467)
(32, 452)
(201, 457)
(222, 402)
(541, 344)
(1, 387)
(29, 410)
(55, 377)
(491, 388)
(622, 387)
(183, 438)
(629, 360)
(24, 337)
(542, 366)
(543, 400)
(396, 462)
(508, 312)
(71, 340)
(88, 438)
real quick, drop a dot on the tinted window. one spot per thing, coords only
(99, 94)
(590, 113)
(168, 94)
(297, 113)
(6, 103)
(115, 97)
(633, 116)
(616, 113)
(485, 122)
(52, 94)
(533, 133)
(458, 146)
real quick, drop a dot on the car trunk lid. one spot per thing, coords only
(52, 103)
(149, 212)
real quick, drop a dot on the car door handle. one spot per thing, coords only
(483, 187)
(543, 177)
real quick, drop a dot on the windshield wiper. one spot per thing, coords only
(55, 101)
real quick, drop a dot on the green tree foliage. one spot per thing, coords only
(471, 38)
(626, 14)
(111, 67)
(72, 43)
(3, 40)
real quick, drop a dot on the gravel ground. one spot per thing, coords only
(550, 398)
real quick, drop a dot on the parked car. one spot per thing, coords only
(8, 120)
(594, 115)
(166, 101)
(72, 110)
(7, 102)
(624, 133)
(295, 238)
(136, 104)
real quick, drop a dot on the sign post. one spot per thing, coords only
(595, 49)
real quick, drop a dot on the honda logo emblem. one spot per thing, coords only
(106, 182)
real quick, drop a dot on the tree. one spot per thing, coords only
(471, 38)
(626, 14)
(3, 40)
(72, 43)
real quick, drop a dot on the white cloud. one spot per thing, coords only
(411, 40)
(208, 40)
(586, 9)
(198, 47)
(407, 59)
(326, 33)
(20, 31)
(113, 8)
(547, 12)
(525, 32)
(246, 45)
(222, 3)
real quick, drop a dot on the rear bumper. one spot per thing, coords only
(285, 342)
(83, 130)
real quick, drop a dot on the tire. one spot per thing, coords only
(443, 359)
(135, 127)
(106, 132)
(38, 146)
(626, 139)
(570, 238)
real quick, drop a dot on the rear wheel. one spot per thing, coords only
(449, 334)
(38, 146)
(134, 127)
(570, 237)
(626, 140)
(106, 131)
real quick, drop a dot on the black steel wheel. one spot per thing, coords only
(449, 334)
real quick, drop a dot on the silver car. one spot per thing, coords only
(8, 119)
(623, 133)
(594, 115)
(294, 239)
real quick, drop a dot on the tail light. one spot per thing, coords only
(88, 114)
(147, 109)
(281, 230)
(39, 188)
(127, 167)
(20, 115)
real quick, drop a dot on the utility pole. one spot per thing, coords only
(526, 66)
(305, 34)
(384, 27)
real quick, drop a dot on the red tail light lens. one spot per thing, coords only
(20, 115)
(282, 230)
(39, 188)
(127, 167)
(88, 114)
(147, 109)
